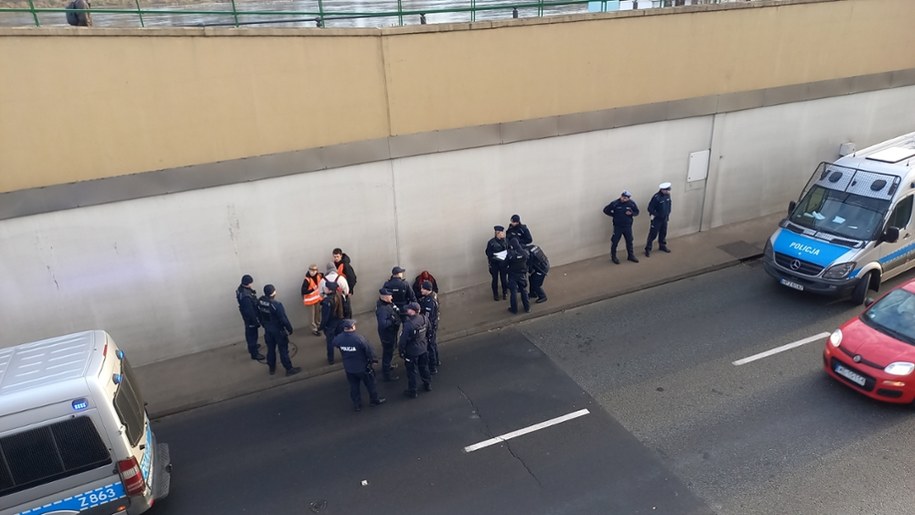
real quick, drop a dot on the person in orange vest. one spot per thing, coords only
(311, 297)
(344, 268)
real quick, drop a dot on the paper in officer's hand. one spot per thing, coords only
(500, 255)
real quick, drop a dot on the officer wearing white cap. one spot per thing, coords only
(659, 209)
(622, 210)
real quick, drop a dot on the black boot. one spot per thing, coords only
(615, 259)
(495, 296)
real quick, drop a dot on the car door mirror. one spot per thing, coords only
(791, 206)
(891, 235)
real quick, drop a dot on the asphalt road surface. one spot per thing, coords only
(672, 425)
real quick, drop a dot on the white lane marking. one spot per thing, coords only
(526, 430)
(783, 348)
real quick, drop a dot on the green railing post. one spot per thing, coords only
(540, 8)
(235, 13)
(473, 10)
(140, 13)
(320, 13)
(34, 14)
(400, 11)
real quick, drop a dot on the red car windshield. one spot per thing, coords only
(894, 315)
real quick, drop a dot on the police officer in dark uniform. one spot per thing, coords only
(428, 303)
(518, 230)
(388, 317)
(497, 266)
(413, 349)
(516, 260)
(622, 210)
(272, 316)
(659, 209)
(401, 293)
(357, 357)
(247, 306)
(333, 312)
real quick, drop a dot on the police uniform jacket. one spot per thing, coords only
(272, 315)
(495, 245)
(355, 350)
(659, 206)
(617, 211)
(330, 322)
(521, 232)
(388, 318)
(413, 340)
(400, 291)
(247, 305)
(430, 309)
(517, 261)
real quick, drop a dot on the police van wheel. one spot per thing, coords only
(860, 292)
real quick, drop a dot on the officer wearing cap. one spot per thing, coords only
(401, 293)
(622, 210)
(516, 261)
(413, 349)
(272, 316)
(357, 358)
(497, 269)
(388, 317)
(659, 209)
(429, 306)
(247, 306)
(516, 229)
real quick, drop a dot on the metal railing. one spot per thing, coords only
(320, 17)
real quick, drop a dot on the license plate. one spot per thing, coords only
(792, 284)
(854, 377)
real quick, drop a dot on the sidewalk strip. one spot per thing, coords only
(783, 348)
(526, 430)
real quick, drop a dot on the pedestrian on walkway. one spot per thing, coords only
(497, 268)
(659, 209)
(388, 317)
(358, 357)
(76, 17)
(622, 210)
(420, 279)
(413, 349)
(428, 304)
(401, 293)
(516, 261)
(247, 306)
(518, 230)
(312, 296)
(538, 266)
(277, 329)
(344, 267)
(332, 314)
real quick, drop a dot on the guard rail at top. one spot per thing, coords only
(324, 13)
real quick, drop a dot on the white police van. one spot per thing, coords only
(74, 434)
(852, 227)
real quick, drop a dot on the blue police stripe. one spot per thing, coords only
(145, 461)
(808, 249)
(81, 502)
(893, 255)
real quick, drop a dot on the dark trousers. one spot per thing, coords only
(659, 230)
(388, 341)
(517, 283)
(498, 272)
(251, 338)
(355, 391)
(537, 279)
(432, 347)
(277, 340)
(329, 334)
(412, 363)
(621, 232)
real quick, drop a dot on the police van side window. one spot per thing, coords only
(48, 453)
(128, 404)
(902, 214)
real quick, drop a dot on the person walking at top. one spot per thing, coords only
(247, 306)
(277, 329)
(516, 261)
(413, 349)
(622, 210)
(497, 268)
(332, 314)
(344, 268)
(357, 356)
(429, 305)
(518, 230)
(401, 293)
(312, 296)
(659, 209)
(388, 317)
(79, 18)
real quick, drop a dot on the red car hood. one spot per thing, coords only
(873, 345)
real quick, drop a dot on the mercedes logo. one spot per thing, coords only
(795, 265)
(857, 358)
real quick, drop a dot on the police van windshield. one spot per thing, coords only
(840, 213)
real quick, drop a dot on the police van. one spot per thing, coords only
(74, 434)
(852, 227)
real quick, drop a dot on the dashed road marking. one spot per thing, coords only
(783, 348)
(526, 430)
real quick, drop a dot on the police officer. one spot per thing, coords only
(413, 349)
(357, 357)
(518, 230)
(659, 209)
(401, 293)
(333, 312)
(272, 316)
(428, 303)
(247, 306)
(497, 269)
(388, 317)
(516, 260)
(622, 210)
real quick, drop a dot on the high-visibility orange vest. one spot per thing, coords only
(310, 299)
(340, 270)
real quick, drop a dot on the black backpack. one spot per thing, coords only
(538, 259)
(72, 16)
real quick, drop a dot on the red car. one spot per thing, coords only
(874, 353)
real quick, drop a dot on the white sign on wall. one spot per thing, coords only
(698, 166)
